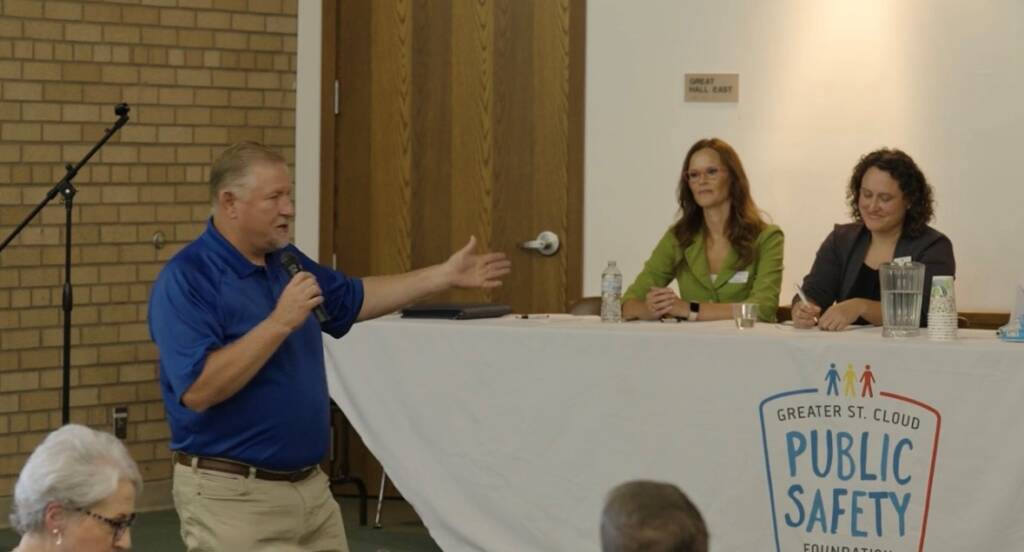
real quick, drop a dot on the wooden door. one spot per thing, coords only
(455, 118)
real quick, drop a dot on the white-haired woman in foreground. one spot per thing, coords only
(76, 492)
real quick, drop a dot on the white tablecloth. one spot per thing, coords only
(506, 434)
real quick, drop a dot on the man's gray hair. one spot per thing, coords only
(74, 466)
(651, 516)
(233, 164)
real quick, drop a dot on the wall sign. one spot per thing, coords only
(712, 87)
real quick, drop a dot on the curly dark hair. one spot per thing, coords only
(917, 193)
(745, 222)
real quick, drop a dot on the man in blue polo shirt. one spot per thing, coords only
(242, 365)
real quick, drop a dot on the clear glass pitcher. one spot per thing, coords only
(902, 287)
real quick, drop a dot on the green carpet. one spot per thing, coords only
(401, 531)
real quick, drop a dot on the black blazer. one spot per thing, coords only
(842, 253)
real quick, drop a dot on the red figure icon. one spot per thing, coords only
(867, 378)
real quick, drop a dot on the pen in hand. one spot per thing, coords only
(803, 299)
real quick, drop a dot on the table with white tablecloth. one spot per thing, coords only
(506, 434)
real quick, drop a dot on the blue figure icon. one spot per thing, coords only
(833, 380)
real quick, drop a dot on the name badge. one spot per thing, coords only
(740, 277)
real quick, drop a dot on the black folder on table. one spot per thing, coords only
(456, 311)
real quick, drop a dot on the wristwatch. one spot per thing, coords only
(694, 311)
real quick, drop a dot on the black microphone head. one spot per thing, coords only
(290, 262)
(121, 109)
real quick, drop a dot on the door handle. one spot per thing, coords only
(546, 243)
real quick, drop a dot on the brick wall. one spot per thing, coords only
(198, 75)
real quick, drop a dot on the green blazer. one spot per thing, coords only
(758, 282)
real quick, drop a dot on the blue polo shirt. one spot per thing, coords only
(206, 297)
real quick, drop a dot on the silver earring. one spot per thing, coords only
(60, 536)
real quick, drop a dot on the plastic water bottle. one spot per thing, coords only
(611, 293)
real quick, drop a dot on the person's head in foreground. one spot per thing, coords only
(76, 492)
(651, 516)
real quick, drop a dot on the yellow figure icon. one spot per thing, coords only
(849, 382)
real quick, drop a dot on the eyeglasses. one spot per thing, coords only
(710, 173)
(120, 526)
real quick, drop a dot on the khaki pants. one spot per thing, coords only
(222, 512)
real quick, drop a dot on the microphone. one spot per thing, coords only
(121, 110)
(290, 262)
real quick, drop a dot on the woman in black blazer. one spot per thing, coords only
(891, 203)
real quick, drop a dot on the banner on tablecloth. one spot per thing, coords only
(849, 463)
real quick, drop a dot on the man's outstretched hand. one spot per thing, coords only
(476, 270)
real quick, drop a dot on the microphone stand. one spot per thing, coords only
(67, 191)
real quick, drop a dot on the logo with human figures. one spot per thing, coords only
(849, 464)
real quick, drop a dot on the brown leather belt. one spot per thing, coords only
(237, 468)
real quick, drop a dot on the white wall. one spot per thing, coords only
(307, 128)
(821, 83)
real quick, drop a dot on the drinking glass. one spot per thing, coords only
(744, 314)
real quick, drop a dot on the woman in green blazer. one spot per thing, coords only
(720, 251)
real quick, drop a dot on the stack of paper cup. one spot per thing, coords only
(942, 310)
